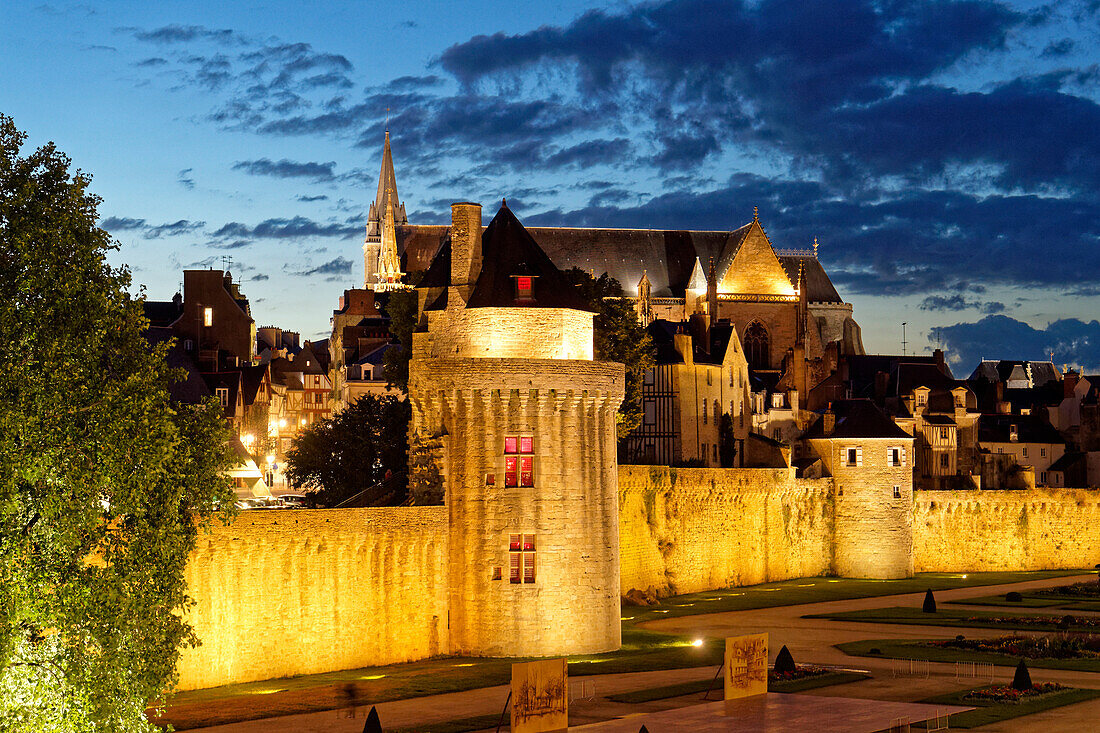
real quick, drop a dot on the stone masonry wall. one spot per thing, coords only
(518, 333)
(683, 530)
(974, 531)
(292, 592)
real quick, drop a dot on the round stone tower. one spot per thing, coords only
(510, 409)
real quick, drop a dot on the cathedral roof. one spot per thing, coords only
(666, 256)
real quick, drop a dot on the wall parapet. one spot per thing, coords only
(683, 530)
(292, 592)
(1035, 529)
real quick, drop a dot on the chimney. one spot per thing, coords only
(682, 343)
(828, 421)
(465, 246)
(937, 356)
(1069, 382)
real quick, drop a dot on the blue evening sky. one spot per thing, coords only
(946, 154)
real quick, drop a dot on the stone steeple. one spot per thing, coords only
(381, 261)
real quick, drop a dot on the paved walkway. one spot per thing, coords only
(809, 640)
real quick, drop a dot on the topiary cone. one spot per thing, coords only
(784, 662)
(929, 602)
(1022, 679)
(373, 724)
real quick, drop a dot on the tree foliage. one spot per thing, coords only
(337, 458)
(401, 309)
(105, 483)
(619, 337)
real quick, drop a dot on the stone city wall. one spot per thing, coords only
(292, 592)
(1037, 529)
(683, 530)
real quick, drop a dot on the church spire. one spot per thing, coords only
(386, 212)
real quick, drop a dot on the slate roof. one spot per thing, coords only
(508, 249)
(162, 312)
(858, 419)
(665, 256)
(1029, 429)
(1042, 372)
(939, 420)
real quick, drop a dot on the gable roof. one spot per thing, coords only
(666, 256)
(754, 267)
(858, 419)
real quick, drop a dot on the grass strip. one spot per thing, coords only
(951, 619)
(986, 712)
(1027, 602)
(701, 686)
(895, 649)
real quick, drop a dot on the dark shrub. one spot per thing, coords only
(784, 662)
(1013, 597)
(373, 724)
(1022, 679)
(874, 650)
(929, 602)
(960, 637)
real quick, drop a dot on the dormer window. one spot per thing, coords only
(524, 287)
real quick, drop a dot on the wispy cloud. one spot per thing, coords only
(317, 172)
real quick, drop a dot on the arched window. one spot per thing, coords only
(756, 346)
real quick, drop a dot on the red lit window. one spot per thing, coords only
(523, 288)
(521, 558)
(519, 470)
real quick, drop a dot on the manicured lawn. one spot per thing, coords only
(462, 725)
(951, 618)
(894, 649)
(1027, 602)
(817, 590)
(990, 712)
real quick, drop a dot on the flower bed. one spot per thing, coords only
(1080, 590)
(1085, 622)
(1007, 694)
(801, 672)
(1030, 647)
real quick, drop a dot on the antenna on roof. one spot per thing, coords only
(904, 343)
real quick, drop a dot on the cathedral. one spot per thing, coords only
(790, 320)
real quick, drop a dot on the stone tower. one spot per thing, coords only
(511, 410)
(381, 261)
(868, 456)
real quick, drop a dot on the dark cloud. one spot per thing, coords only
(173, 229)
(260, 277)
(121, 223)
(153, 62)
(298, 227)
(174, 33)
(592, 152)
(338, 266)
(184, 178)
(1000, 337)
(284, 168)
(1057, 49)
(231, 244)
(305, 198)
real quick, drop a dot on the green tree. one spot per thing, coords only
(337, 458)
(105, 483)
(619, 337)
(401, 308)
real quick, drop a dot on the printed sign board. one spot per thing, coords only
(540, 696)
(746, 666)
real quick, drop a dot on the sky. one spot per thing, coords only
(945, 154)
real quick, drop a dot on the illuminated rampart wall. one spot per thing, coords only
(974, 531)
(683, 530)
(294, 592)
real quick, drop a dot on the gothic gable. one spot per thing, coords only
(754, 267)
